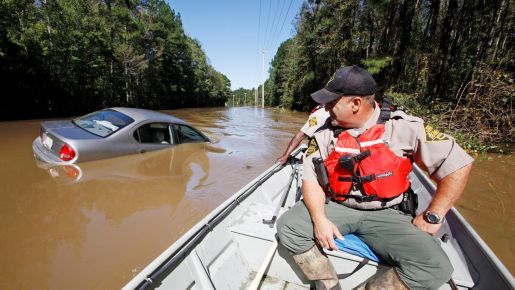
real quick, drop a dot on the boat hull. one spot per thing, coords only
(228, 248)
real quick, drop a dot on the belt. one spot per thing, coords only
(395, 207)
(408, 205)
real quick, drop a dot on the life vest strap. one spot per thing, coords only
(358, 179)
(362, 155)
(360, 198)
(386, 110)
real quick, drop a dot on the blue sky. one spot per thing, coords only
(233, 33)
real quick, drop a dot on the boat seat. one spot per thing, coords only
(247, 223)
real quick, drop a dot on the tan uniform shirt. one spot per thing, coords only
(315, 120)
(434, 152)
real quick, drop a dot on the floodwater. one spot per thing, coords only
(95, 225)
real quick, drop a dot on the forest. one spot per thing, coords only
(450, 61)
(70, 57)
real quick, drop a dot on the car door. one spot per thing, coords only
(153, 136)
(187, 134)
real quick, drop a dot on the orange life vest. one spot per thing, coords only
(366, 161)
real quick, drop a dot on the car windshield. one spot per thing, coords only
(103, 123)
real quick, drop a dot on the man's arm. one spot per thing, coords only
(448, 191)
(294, 143)
(324, 229)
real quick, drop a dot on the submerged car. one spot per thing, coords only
(109, 133)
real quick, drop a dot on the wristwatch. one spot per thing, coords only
(433, 217)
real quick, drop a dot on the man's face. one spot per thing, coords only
(341, 110)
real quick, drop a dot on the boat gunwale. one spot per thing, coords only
(472, 234)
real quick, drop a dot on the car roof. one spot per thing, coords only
(148, 115)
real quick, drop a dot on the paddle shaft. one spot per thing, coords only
(255, 283)
(271, 221)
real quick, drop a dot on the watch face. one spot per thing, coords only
(432, 218)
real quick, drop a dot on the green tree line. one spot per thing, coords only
(245, 97)
(68, 57)
(449, 60)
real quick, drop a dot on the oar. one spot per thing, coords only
(257, 279)
(271, 221)
(255, 283)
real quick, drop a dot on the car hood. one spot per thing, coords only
(67, 130)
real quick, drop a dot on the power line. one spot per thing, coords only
(273, 32)
(259, 23)
(267, 20)
(282, 25)
(257, 44)
(270, 34)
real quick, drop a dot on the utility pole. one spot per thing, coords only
(263, 78)
(256, 97)
(245, 102)
(233, 100)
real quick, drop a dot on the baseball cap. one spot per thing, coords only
(346, 81)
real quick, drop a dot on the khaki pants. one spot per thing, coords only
(421, 262)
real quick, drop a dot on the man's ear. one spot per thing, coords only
(356, 103)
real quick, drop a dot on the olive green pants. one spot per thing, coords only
(421, 262)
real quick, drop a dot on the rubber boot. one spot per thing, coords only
(386, 280)
(316, 266)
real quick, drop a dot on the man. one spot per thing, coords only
(316, 119)
(364, 198)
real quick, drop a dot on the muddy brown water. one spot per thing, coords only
(95, 225)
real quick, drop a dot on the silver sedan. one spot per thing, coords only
(109, 133)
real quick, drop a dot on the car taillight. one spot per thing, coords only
(66, 153)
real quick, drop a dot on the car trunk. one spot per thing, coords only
(54, 134)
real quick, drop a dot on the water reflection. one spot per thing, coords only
(180, 162)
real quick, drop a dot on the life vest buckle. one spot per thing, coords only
(366, 198)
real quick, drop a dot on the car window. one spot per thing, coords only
(103, 123)
(186, 134)
(157, 133)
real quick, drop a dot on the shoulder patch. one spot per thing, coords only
(312, 147)
(431, 134)
(312, 122)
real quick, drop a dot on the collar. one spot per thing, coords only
(369, 123)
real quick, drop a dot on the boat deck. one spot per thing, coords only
(253, 238)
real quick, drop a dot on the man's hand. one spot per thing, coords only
(325, 231)
(422, 224)
(323, 228)
(283, 159)
(294, 143)
(448, 190)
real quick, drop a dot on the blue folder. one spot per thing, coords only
(354, 245)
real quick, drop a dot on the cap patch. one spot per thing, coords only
(312, 147)
(331, 79)
(431, 134)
